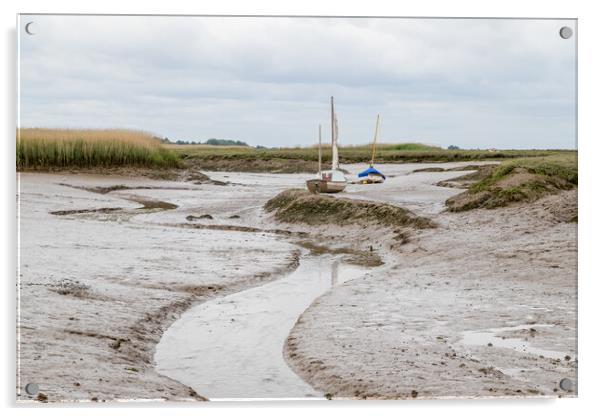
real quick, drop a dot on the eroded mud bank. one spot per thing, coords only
(484, 305)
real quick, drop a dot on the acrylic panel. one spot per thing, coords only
(304, 208)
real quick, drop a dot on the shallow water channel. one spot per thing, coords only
(232, 347)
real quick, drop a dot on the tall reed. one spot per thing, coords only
(47, 148)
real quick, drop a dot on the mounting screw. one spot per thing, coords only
(32, 389)
(566, 384)
(30, 28)
(566, 32)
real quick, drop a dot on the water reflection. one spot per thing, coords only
(334, 272)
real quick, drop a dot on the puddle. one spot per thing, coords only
(231, 347)
(493, 336)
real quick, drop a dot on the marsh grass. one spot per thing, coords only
(305, 159)
(563, 166)
(385, 153)
(523, 179)
(301, 206)
(39, 148)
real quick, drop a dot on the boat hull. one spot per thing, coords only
(321, 186)
(371, 179)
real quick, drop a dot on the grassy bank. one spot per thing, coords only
(301, 206)
(524, 179)
(224, 157)
(273, 165)
(55, 149)
(65, 148)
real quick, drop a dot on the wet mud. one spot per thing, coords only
(420, 327)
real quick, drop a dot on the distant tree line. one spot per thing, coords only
(213, 142)
(225, 142)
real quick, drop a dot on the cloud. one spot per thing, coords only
(474, 83)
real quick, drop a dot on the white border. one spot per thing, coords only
(590, 157)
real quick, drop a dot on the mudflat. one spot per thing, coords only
(480, 304)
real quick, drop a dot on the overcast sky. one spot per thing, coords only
(268, 81)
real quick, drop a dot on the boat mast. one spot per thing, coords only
(374, 142)
(320, 150)
(334, 133)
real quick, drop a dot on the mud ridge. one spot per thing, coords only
(241, 228)
(107, 189)
(301, 206)
(352, 256)
(152, 203)
(147, 204)
(86, 211)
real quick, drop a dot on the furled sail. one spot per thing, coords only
(335, 138)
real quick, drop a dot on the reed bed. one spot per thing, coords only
(39, 148)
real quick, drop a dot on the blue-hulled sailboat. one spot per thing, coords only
(372, 175)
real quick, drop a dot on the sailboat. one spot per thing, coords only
(333, 180)
(371, 175)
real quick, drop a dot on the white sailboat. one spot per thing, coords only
(333, 180)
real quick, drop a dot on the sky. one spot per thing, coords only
(473, 83)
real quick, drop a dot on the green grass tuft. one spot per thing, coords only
(524, 179)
